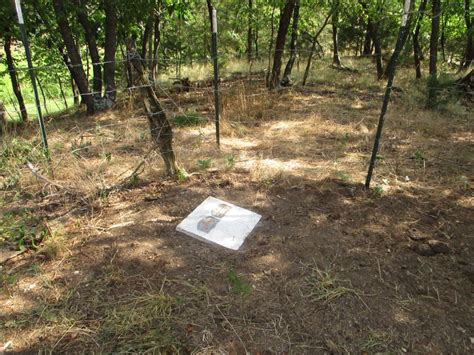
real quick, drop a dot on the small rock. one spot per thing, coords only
(423, 250)
(438, 247)
(417, 236)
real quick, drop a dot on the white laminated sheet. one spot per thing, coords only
(219, 222)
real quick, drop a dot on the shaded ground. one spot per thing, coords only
(330, 268)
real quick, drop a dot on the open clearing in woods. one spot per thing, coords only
(330, 268)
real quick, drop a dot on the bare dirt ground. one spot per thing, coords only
(331, 268)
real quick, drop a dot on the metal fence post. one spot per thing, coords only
(31, 72)
(216, 75)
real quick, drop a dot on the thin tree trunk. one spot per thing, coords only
(156, 45)
(434, 39)
(367, 39)
(285, 19)
(75, 92)
(270, 46)
(442, 40)
(13, 77)
(76, 67)
(249, 31)
(42, 95)
(313, 47)
(160, 128)
(294, 39)
(61, 90)
(469, 52)
(336, 60)
(91, 41)
(416, 39)
(110, 48)
(377, 50)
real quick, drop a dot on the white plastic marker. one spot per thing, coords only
(19, 12)
(219, 222)
(214, 21)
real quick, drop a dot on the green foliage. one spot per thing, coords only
(378, 190)
(204, 163)
(20, 229)
(188, 119)
(238, 285)
(182, 175)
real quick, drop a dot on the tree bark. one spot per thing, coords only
(469, 52)
(294, 38)
(76, 68)
(285, 19)
(13, 76)
(416, 39)
(336, 60)
(90, 37)
(434, 39)
(160, 128)
(110, 48)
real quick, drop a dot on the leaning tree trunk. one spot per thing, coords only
(160, 128)
(76, 68)
(14, 78)
(416, 39)
(285, 19)
(434, 39)
(110, 47)
(336, 60)
(469, 53)
(392, 59)
(313, 47)
(90, 37)
(294, 38)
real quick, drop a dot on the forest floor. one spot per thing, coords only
(331, 267)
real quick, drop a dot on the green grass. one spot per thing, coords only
(238, 285)
(188, 119)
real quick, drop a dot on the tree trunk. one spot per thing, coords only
(368, 39)
(250, 32)
(42, 95)
(270, 46)
(110, 47)
(61, 90)
(294, 38)
(313, 47)
(156, 45)
(90, 37)
(469, 53)
(285, 19)
(434, 39)
(377, 50)
(13, 77)
(336, 60)
(416, 39)
(76, 67)
(160, 128)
